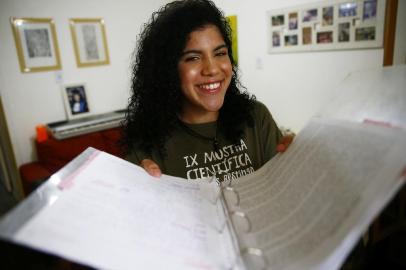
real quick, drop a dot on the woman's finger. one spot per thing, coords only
(151, 167)
(284, 143)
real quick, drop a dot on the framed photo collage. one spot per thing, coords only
(328, 25)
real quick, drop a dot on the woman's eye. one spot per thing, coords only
(222, 53)
(191, 58)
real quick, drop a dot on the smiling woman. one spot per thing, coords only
(188, 115)
(205, 73)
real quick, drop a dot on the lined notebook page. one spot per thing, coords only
(308, 206)
(112, 215)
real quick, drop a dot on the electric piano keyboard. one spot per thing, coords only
(66, 129)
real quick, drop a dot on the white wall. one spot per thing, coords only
(35, 98)
(292, 85)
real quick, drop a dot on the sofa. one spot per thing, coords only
(53, 154)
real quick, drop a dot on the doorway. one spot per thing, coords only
(10, 183)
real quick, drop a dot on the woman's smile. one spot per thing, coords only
(210, 87)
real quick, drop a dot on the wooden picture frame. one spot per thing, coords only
(89, 42)
(36, 44)
(75, 100)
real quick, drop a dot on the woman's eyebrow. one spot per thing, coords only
(220, 47)
(199, 51)
(191, 51)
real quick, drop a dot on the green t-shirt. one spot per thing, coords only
(192, 157)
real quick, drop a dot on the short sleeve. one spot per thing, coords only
(269, 133)
(136, 157)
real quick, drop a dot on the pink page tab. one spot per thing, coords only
(67, 182)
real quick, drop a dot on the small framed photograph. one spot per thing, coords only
(276, 38)
(327, 16)
(310, 15)
(369, 10)
(325, 37)
(293, 21)
(291, 40)
(89, 42)
(306, 35)
(347, 10)
(36, 44)
(278, 20)
(365, 33)
(344, 32)
(76, 101)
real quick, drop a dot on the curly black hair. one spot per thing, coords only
(156, 100)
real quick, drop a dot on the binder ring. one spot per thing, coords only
(244, 216)
(228, 183)
(218, 193)
(214, 178)
(256, 252)
(217, 197)
(237, 195)
(221, 228)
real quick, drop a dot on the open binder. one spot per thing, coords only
(283, 233)
(304, 209)
(206, 225)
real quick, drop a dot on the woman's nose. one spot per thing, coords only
(210, 67)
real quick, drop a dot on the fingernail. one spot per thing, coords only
(156, 173)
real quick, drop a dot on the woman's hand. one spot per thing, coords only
(151, 167)
(285, 142)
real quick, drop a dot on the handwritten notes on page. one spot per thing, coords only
(113, 215)
(308, 207)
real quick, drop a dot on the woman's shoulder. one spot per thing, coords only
(259, 108)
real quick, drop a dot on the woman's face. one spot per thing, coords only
(76, 97)
(205, 73)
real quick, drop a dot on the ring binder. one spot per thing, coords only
(217, 195)
(210, 180)
(216, 198)
(322, 193)
(228, 182)
(222, 227)
(243, 215)
(237, 195)
(253, 252)
(256, 252)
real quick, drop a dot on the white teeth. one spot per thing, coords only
(210, 86)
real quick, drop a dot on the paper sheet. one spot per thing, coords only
(309, 206)
(112, 215)
(373, 95)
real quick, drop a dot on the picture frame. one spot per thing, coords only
(89, 41)
(36, 44)
(327, 25)
(232, 20)
(75, 100)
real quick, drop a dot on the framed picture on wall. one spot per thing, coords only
(232, 20)
(327, 25)
(75, 100)
(36, 44)
(89, 42)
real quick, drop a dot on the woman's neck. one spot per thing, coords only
(196, 118)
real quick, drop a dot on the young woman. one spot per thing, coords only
(188, 115)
